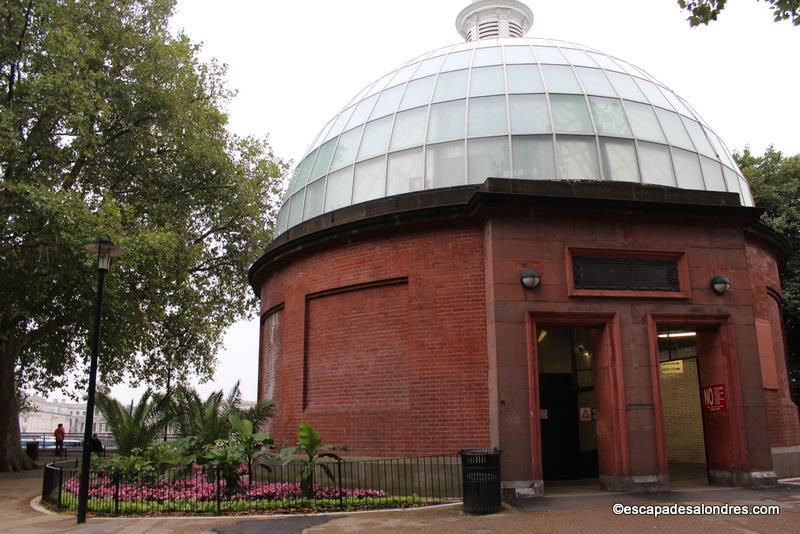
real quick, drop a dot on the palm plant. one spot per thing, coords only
(137, 428)
(206, 421)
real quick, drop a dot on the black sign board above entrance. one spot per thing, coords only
(625, 274)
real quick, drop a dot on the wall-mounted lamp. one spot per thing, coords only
(720, 284)
(530, 278)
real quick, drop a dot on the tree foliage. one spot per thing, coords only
(704, 11)
(775, 182)
(111, 124)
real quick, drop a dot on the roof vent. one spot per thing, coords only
(488, 19)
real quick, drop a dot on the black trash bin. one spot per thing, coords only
(32, 450)
(481, 475)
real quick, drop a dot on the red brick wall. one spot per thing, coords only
(784, 423)
(394, 369)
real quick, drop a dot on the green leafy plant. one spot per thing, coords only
(224, 459)
(251, 444)
(309, 443)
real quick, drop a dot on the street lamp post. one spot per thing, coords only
(105, 251)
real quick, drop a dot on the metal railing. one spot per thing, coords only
(74, 440)
(273, 487)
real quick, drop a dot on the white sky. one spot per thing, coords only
(295, 64)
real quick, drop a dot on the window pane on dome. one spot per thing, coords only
(577, 158)
(418, 93)
(387, 102)
(652, 93)
(457, 60)
(533, 157)
(673, 127)
(560, 79)
(362, 112)
(369, 180)
(347, 147)
(643, 122)
(595, 82)
(409, 128)
(619, 160)
(341, 120)
(676, 102)
(445, 164)
(487, 116)
(447, 121)
(487, 56)
(732, 181)
(428, 67)
(450, 85)
(625, 86)
(548, 54)
(604, 61)
(712, 174)
(378, 86)
(519, 54)
(719, 148)
(570, 114)
(524, 79)
(283, 218)
(315, 199)
(296, 208)
(656, 164)
(529, 114)
(609, 117)
(748, 196)
(403, 75)
(340, 185)
(405, 172)
(687, 169)
(488, 158)
(323, 160)
(487, 81)
(305, 170)
(699, 138)
(578, 57)
(376, 138)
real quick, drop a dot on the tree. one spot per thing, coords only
(110, 124)
(775, 183)
(704, 11)
(137, 428)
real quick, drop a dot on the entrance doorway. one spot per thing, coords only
(679, 376)
(567, 402)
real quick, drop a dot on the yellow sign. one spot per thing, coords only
(674, 367)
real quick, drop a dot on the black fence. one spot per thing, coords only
(274, 487)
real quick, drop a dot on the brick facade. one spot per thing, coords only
(384, 344)
(412, 339)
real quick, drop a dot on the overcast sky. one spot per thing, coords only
(295, 64)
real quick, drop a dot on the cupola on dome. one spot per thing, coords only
(506, 106)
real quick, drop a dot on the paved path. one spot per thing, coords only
(568, 512)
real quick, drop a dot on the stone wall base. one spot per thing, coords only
(523, 489)
(786, 461)
(743, 478)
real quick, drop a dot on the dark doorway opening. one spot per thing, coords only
(567, 402)
(684, 435)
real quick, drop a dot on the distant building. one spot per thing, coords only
(45, 415)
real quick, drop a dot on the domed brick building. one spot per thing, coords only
(526, 243)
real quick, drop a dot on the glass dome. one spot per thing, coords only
(522, 108)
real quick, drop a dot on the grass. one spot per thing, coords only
(69, 501)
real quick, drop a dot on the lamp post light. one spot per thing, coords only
(105, 251)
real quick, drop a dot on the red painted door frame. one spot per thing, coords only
(722, 352)
(612, 436)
